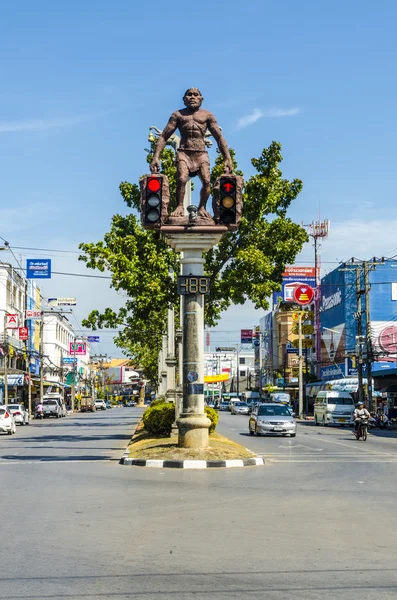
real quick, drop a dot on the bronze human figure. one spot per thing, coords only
(192, 157)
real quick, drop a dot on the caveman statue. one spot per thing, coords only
(192, 157)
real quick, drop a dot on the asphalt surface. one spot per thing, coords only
(318, 521)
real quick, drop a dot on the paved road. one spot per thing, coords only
(75, 525)
(87, 436)
(313, 444)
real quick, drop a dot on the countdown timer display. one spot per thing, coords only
(193, 284)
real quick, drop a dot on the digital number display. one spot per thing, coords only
(193, 284)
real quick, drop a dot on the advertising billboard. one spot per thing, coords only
(338, 315)
(293, 276)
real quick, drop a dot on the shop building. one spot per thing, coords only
(344, 326)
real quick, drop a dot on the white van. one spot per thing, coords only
(333, 408)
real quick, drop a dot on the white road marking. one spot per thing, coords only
(360, 448)
(302, 446)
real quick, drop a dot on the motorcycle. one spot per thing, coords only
(381, 421)
(39, 414)
(362, 430)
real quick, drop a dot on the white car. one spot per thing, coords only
(19, 413)
(100, 404)
(7, 421)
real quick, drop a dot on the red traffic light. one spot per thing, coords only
(154, 184)
(228, 187)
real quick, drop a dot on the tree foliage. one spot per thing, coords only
(246, 264)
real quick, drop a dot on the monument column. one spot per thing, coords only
(193, 424)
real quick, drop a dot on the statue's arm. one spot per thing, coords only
(167, 132)
(220, 140)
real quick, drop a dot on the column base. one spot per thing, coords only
(193, 430)
(170, 396)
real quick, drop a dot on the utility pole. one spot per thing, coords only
(300, 374)
(260, 365)
(318, 230)
(368, 335)
(238, 369)
(62, 382)
(359, 336)
(73, 394)
(27, 367)
(41, 353)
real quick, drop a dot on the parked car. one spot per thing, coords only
(239, 408)
(52, 408)
(7, 421)
(100, 404)
(20, 414)
(224, 406)
(272, 418)
(58, 397)
(131, 403)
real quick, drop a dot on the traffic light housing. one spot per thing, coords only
(227, 200)
(154, 200)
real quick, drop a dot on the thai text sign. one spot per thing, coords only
(78, 348)
(38, 268)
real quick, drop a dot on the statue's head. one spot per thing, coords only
(193, 98)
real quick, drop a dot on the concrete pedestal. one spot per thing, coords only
(193, 424)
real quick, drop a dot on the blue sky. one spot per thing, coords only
(81, 82)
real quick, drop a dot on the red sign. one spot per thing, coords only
(303, 294)
(388, 342)
(295, 271)
(246, 336)
(12, 321)
(23, 333)
(78, 348)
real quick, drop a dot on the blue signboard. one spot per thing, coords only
(292, 277)
(38, 268)
(69, 360)
(93, 338)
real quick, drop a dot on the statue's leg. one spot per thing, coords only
(182, 175)
(205, 176)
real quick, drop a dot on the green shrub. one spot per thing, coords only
(213, 416)
(158, 419)
(158, 401)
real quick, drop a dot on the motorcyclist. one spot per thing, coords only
(359, 412)
(39, 407)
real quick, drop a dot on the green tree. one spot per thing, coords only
(246, 264)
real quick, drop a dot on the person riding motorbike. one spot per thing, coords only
(39, 409)
(359, 412)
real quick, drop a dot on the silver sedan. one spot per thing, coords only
(239, 408)
(272, 418)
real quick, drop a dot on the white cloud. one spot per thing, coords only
(361, 239)
(45, 124)
(271, 113)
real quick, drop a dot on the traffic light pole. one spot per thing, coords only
(300, 375)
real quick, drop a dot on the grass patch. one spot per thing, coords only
(146, 447)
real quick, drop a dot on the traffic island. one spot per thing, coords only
(164, 452)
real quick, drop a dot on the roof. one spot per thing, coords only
(119, 362)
